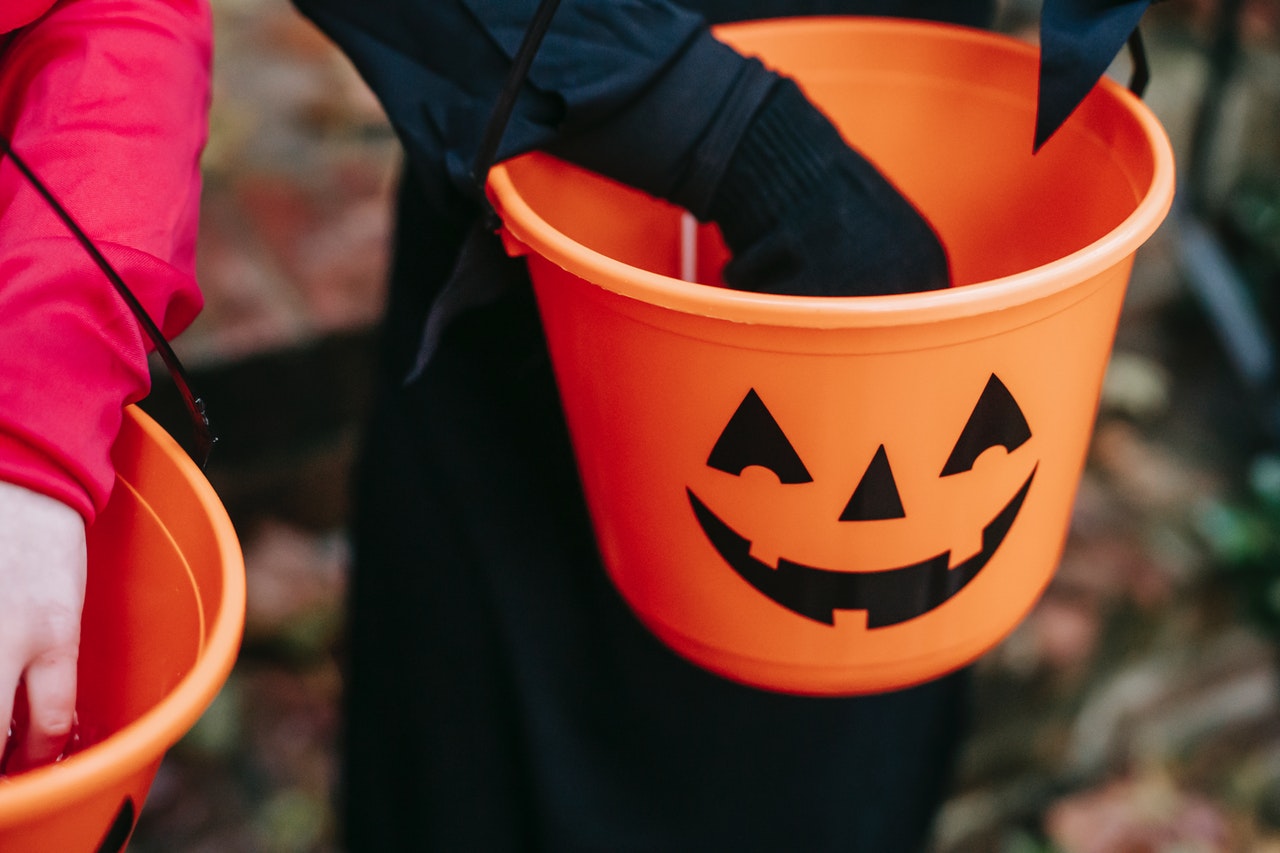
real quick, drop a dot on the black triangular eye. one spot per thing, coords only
(753, 437)
(876, 497)
(997, 421)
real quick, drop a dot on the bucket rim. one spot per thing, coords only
(144, 741)
(524, 229)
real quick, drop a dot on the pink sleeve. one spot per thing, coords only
(107, 101)
(16, 13)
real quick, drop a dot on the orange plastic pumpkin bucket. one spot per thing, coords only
(847, 495)
(164, 613)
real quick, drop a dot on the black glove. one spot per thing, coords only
(802, 213)
(805, 214)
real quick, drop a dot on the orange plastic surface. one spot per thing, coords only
(163, 619)
(981, 398)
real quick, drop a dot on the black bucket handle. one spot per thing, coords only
(1141, 74)
(487, 154)
(204, 436)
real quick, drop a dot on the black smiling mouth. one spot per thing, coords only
(890, 596)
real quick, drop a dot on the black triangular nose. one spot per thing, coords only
(877, 494)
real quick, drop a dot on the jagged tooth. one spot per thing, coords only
(767, 557)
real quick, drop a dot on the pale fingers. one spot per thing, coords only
(50, 711)
(8, 688)
(42, 575)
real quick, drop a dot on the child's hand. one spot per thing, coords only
(42, 581)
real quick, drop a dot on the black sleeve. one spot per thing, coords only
(592, 94)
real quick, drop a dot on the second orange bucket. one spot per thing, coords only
(163, 616)
(850, 495)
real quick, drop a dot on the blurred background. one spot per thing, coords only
(1136, 709)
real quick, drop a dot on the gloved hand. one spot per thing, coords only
(42, 583)
(805, 214)
(802, 212)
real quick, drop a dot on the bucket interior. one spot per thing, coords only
(946, 113)
(162, 621)
(144, 623)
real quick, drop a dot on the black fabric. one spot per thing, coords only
(437, 67)
(1078, 40)
(973, 13)
(805, 214)
(633, 147)
(503, 698)
(637, 90)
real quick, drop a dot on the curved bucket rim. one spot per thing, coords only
(521, 222)
(144, 741)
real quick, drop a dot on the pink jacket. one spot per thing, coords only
(17, 13)
(107, 101)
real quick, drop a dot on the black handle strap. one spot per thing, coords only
(1140, 76)
(204, 436)
(487, 154)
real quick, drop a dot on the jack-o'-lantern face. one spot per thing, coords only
(890, 595)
